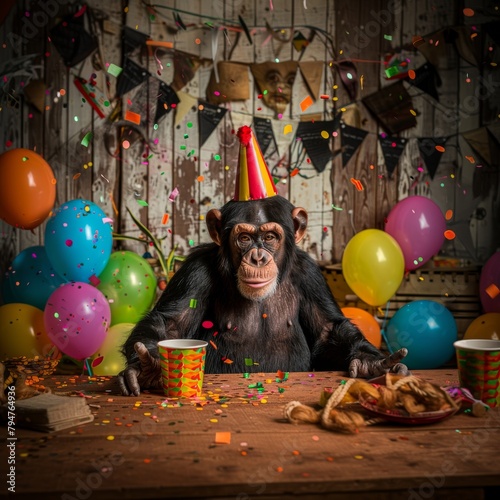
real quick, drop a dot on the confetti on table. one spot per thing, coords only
(222, 438)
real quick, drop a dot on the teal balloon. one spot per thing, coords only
(427, 329)
(31, 278)
(129, 283)
(78, 240)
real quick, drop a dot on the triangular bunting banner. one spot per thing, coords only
(469, 48)
(312, 72)
(431, 149)
(352, 138)
(166, 98)
(479, 141)
(132, 75)
(264, 133)
(392, 148)
(392, 107)
(426, 79)
(315, 143)
(208, 119)
(131, 39)
(185, 67)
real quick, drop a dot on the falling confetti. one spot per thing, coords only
(86, 140)
(114, 70)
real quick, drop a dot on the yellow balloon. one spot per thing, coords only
(22, 332)
(486, 326)
(108, 360)
(373, 266)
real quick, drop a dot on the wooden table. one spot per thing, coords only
(145, 447)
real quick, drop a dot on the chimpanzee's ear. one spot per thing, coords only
(213, 220)
(299, 216)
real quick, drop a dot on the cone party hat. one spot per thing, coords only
(253, 179)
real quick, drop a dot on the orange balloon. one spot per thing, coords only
(27, 188)
(366, 323)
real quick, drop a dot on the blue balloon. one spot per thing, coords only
(78, 240)
(427, 329)
(31, 278)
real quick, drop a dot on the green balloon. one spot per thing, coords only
(129, 283)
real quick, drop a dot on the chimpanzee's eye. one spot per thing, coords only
(244, 238)
(270, 237)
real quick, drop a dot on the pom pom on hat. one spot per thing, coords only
(253, 179)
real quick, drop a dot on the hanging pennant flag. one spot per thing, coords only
(478, 140)
(392, 148)
(185, 67)
(426, 78)
(494, 130)
(315, 138)
(485, 143)
(352, 138)
(131, 39)
(73, 42)
(209, 116)
(166, 101)
(349, 76)
(132, 75)
(469, 44)
(264, 133)
(299, 41)
(312, 72)
(431, 149)
(392, 107)
(434, 46)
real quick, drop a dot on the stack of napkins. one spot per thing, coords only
(49, 413)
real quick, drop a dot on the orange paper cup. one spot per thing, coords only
(182, 364)
(479, 368)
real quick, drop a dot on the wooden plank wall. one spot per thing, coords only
(167, 156)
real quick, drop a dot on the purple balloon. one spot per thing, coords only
(418, 225)
(489, 284)
(77, 318)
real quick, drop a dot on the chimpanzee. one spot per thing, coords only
(256, 295)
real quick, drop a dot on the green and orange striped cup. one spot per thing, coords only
(478, 363)
(182, 364)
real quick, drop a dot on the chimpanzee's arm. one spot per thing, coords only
(172, 317)
(335, 342)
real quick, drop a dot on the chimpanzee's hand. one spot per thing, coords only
(368, 368)
(143, 374)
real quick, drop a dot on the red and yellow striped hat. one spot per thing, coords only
(253, 179)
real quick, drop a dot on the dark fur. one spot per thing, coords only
(303, 328)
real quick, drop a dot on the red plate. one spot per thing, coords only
(401, 416)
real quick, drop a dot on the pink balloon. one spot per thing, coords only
(418, 225)
(489, 284)
(77, 317)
